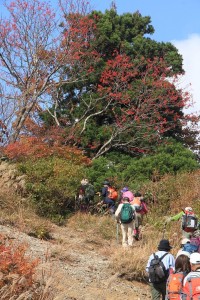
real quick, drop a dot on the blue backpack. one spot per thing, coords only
(190, 248)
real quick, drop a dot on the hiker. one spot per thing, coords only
(158, 279)
(109, 195)
(86, 192)
(140, 209)
(191, 283)
(174, 286)
(195, 239)
(189, 221)
(181, 250)
(125, 215)
(125, 192)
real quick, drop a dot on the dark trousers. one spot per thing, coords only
(158, 290)
(110, 202)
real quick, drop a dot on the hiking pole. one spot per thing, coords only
(117, 233)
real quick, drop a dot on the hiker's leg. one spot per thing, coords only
(136, 220)
(155, 293)
(124, 228)
(130, 233)
(162, 289)
(139, 220)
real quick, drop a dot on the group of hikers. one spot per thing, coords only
(127, 207)
(178, 277)
(170, 277)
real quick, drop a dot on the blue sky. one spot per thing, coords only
(175, 21)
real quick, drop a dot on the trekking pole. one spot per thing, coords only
(117, 233)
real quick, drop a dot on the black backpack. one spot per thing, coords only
(157, 270)
(189, 223)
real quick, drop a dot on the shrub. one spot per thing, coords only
(16, 269)
(171, 158)
(52, 183)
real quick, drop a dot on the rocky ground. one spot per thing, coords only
(77, 267)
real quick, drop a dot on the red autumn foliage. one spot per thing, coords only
(31, 38)
(15, 265)
(39, 141)
(143, 92)
(34, 147)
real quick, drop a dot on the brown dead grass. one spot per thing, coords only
(100, 231)
(18, 212)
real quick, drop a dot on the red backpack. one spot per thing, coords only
(191, 290)
(175, 286)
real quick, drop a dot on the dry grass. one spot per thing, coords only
(97, 226)
(18, 212)
(100, 231)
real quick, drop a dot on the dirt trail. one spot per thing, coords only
(75, 267)
(74, 264)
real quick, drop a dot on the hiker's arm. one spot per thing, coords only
(177, 217)
(148, 264)
(117, 213)
(173, 218)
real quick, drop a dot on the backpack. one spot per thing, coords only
(191, 289)
(195, 241)
(129, 195)
(127, 213)
(157, 270)
(190, 248)
(137, 204)
(89, 191)
(112, 193)
(175, 286)
(144, 209)
(189, 223)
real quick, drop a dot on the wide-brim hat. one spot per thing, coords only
(164, 245)
(185, 241)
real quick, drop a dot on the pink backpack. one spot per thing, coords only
(129, 195)
(195, 241)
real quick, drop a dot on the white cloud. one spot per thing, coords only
(190, 50)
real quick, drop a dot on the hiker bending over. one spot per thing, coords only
(185, 243)
(159, 266)
(109, 195)
(175, 279)
(191, 283)
(189, 221)
(140, 209)
(125, 215)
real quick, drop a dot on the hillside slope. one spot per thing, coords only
(74, 263)
(75, 266)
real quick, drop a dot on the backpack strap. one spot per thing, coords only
(190, 287)
(161, 258)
